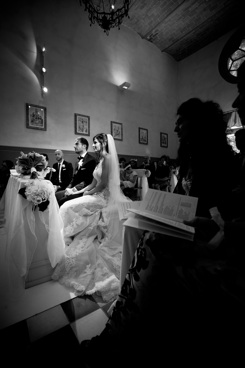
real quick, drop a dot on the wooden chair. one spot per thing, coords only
(141, 187)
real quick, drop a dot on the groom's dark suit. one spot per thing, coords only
(82, 177)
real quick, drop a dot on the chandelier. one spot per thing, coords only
(104, 12)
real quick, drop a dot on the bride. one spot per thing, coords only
(92, 230)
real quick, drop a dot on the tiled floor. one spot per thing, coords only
(46, 321)
(37, 326)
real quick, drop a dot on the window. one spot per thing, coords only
(232, 55)
(233, 124)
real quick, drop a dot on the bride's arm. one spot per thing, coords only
(87, 188)
(104, 178)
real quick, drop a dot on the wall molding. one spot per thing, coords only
(13, 152)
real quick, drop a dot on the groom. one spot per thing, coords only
(83, 175)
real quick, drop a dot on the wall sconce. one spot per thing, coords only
(44, 89)
(125, 85)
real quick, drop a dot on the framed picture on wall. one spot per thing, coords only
(82, 124)
(143, 136)
(117, 130)
(36, 117)
(164, 140)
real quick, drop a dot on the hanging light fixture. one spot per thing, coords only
(105, 12)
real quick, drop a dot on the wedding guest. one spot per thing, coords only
(240, 144)
(161, 178)
(62, 176)
(199, 311)
(205, 159)
(129, 178)
(48, 171)
(7, 165)
(122, 162)
(133, 163)
(83, 175)
(92, 230)
(151, 166)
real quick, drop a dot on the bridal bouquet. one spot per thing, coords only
(38, 192)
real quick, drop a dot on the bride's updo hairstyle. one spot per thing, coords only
(102, 138)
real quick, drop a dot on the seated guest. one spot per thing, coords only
(129, 178)
(150, 166)
(62, 176)
(162, 174)
(122, 162)
(48, 170)
(5, 174)
(83, 175)
(206, 161)
(133, 163)
(240, 144)
(128, 181)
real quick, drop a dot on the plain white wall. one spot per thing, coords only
(84, 69)
(198, 76)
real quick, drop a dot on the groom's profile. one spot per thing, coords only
(83, 175)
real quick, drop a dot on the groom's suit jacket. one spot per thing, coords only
(65, 174)
(83, 175)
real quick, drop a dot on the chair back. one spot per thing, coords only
(141, 184)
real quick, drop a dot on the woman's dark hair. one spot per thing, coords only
(207, 128)
(8, 163)
(102, 138)
(204, 118)
(122, 159)
(205, 152)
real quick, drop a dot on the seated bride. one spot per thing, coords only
(92, 230)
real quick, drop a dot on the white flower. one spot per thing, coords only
(80, 163)
(38, 191)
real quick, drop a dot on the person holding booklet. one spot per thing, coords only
(205, 159)
(181, 309)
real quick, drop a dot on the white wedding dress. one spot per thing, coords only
(93, 235)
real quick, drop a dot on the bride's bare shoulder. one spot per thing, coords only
(106, 156)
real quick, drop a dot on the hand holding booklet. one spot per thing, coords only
(164, 212)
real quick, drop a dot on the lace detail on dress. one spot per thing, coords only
(92, 260)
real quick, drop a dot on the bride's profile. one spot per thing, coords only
(92, 230)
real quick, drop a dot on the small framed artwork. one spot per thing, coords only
(36, 117)
(143, 136)
(164, 140)
(82, 124)
(117, 130)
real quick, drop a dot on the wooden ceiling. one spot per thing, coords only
(182, 27)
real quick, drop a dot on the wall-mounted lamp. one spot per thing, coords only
(125, 85)
(43, 71)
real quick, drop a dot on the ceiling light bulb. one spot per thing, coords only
(44, 69)
(43, 49)
(45, 89)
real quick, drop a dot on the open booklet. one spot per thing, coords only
(164, 211)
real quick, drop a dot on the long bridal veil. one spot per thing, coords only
(116, 194)
(92, 261)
